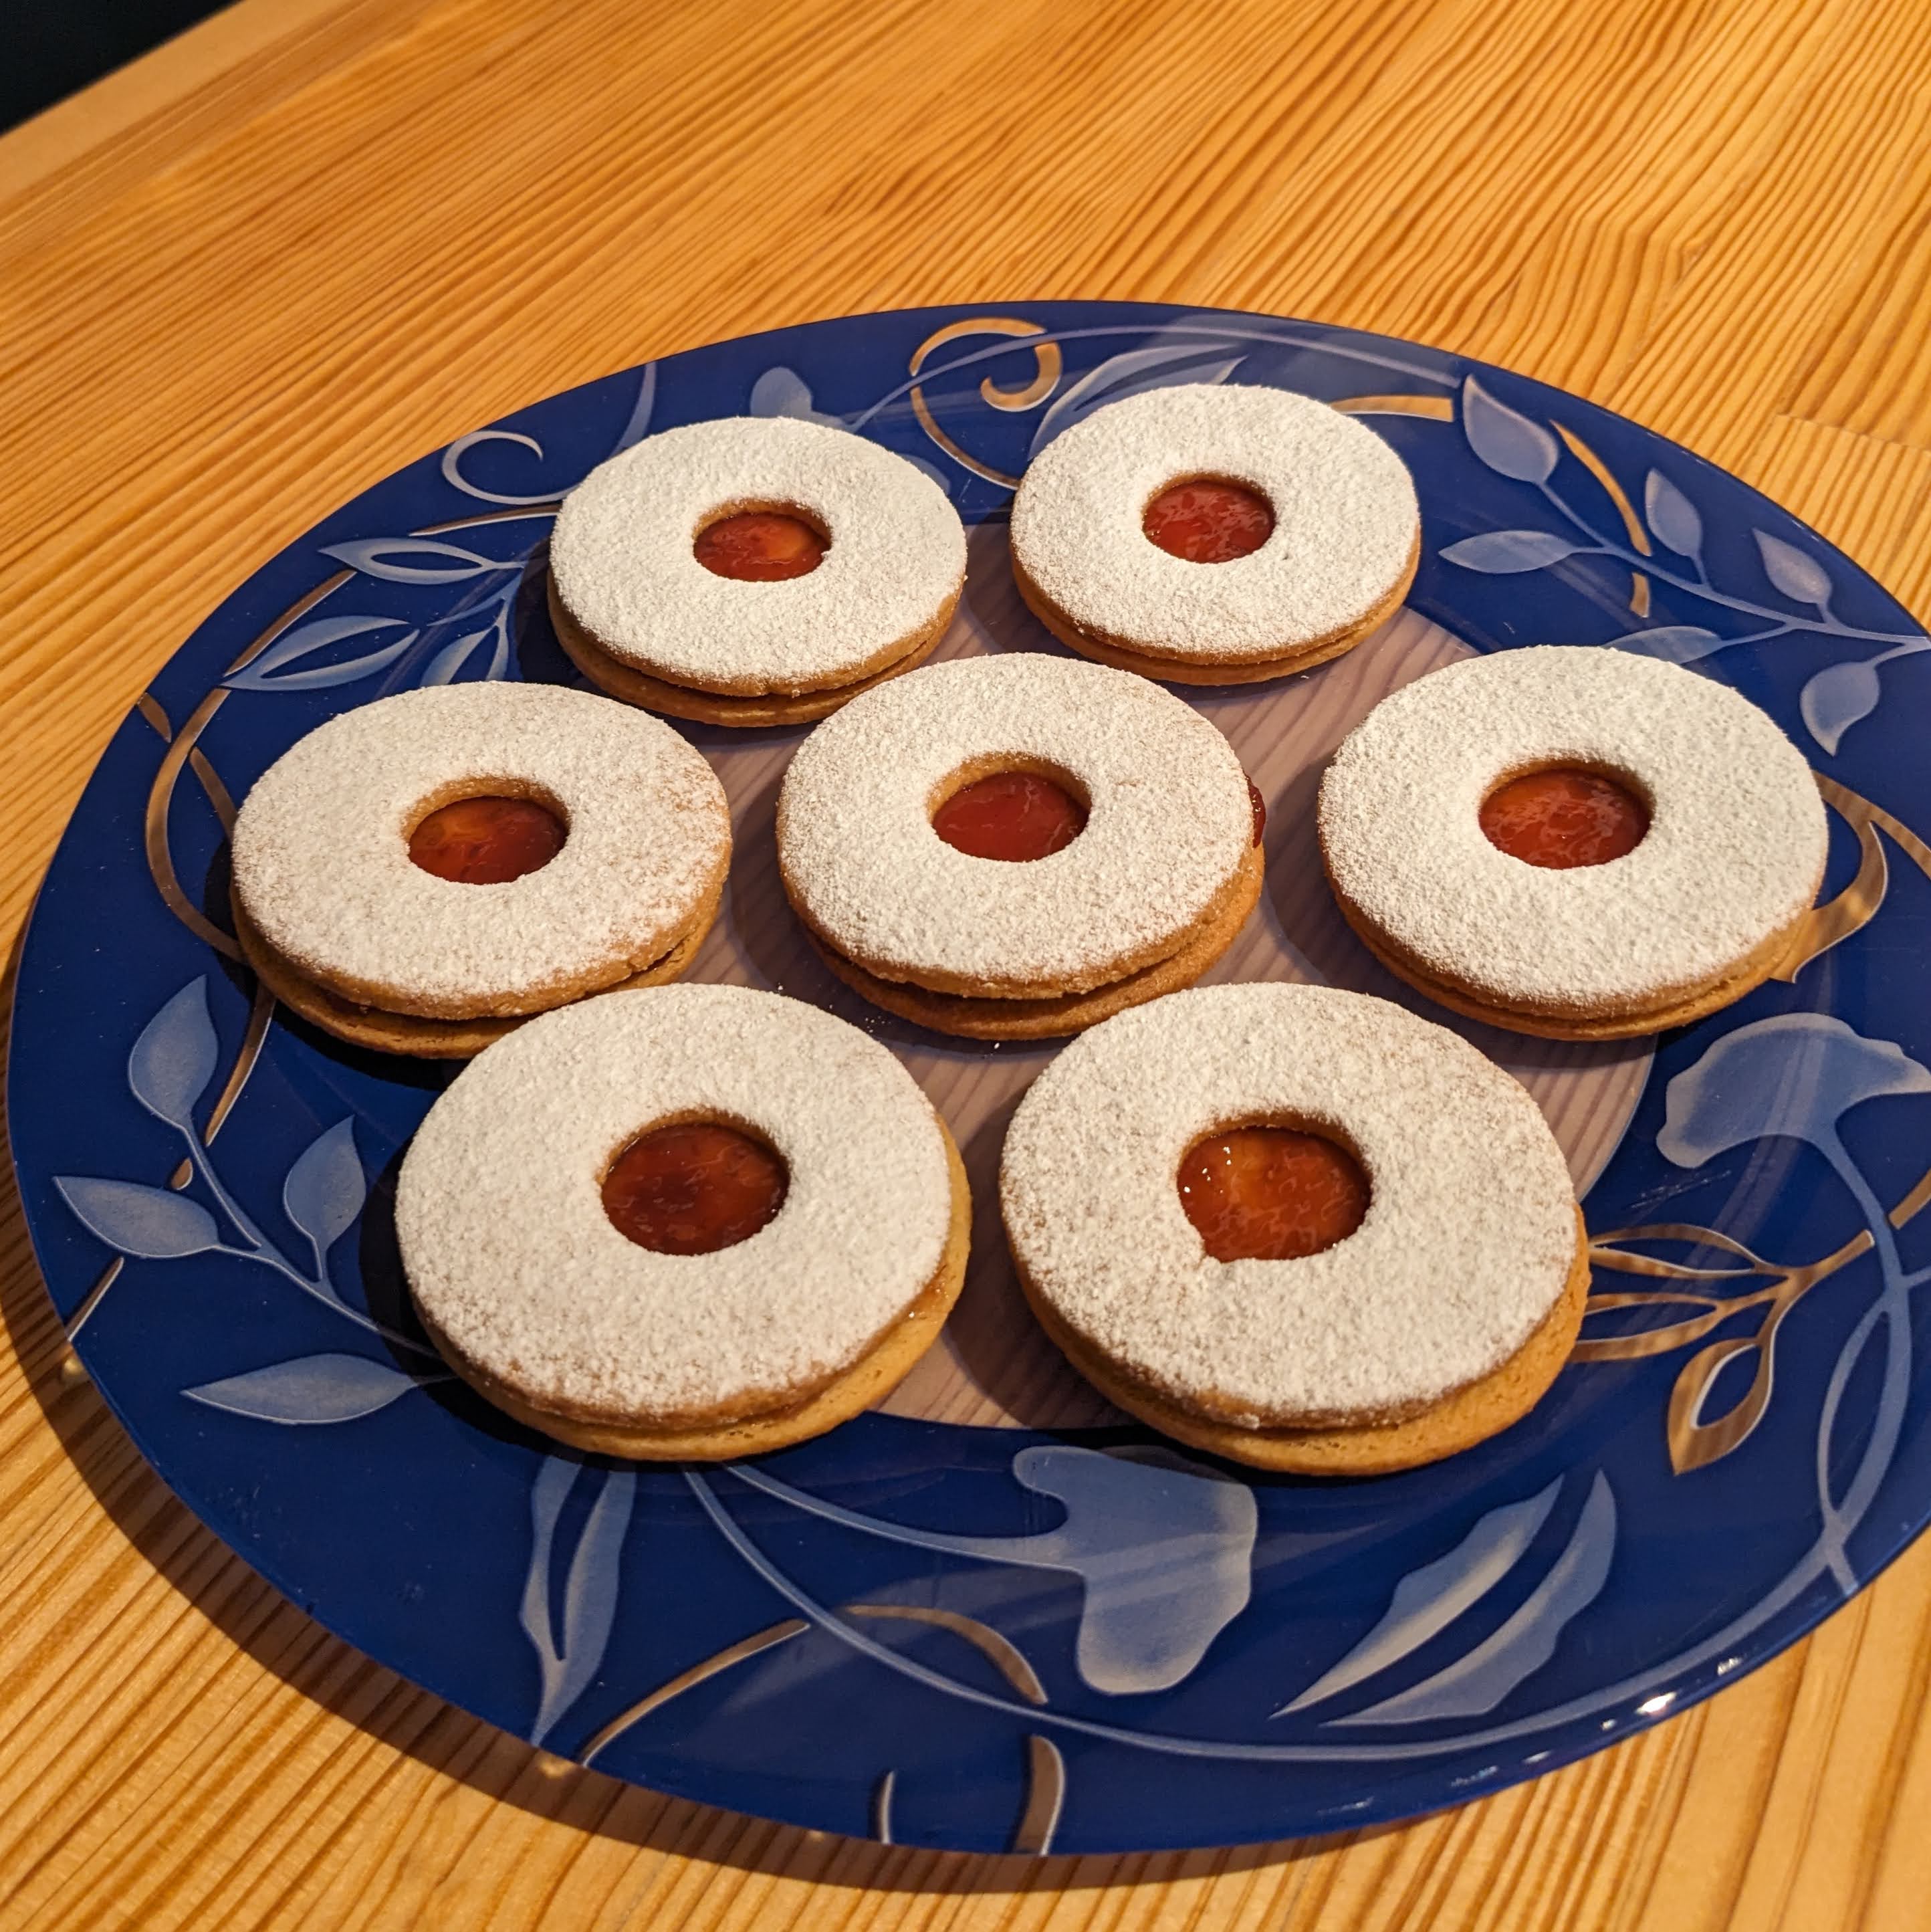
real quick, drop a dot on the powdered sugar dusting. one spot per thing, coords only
(509, 1252)
(1468, 1241)
(622, 561)
(1734, 850)
(1346, 521)
(1168, 822)
(323, 870)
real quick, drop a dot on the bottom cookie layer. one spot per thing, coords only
(386, 1032)
(1121, 655)
(633, 686)
(872, 1377)
(1679, 1008)
(1459, 1421)
(973, 1018)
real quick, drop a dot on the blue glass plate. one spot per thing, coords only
(983, 1638)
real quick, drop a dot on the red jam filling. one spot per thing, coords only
(760, 546)
(485, 841)
(1563, 817)
(1207, 521)
(1259, 805)
(693, 1189)
(1012, 815)
(1271, 1194)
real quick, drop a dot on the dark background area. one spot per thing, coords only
(49, 48)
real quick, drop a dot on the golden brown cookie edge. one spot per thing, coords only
(1124, 654)
(416, 1036)
(878, 1370)
(1459, 1421)
(972, 1016)
(1241, 888)
(1679, 1007)
(745, 709)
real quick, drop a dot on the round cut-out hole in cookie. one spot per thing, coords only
(1263, 1193)
(1208, 520)
(694, 1187)
(1564, 817)
(1011, 816)
(487, 840)
(760, 546)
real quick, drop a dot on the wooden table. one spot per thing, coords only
(245, 278)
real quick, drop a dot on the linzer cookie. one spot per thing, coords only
(1014, 847)
(1571, 841)
(753, 571)
(1214, 534)
(1295, 1227)
(687, 1224)
(421, 874)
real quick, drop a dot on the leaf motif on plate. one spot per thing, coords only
(1708, 1299)
(1673, 643)
(1427, 1600)
(1801, 578)
(269, 671)
(412, 559)
(1163, 1547)
(1677, 1332)
(310, 1389)
(568, 1659)
(1164, 1550)
(1795, 1076)
(1505, 553)
(326, 1187)
(147, 1222)
(1672, 516)
(170, 1065)
(1479, 1680)
(449, 660)
(1839, 696)
(1509, 443)
(780, 391)
(1717, 1295)
(1842, 694)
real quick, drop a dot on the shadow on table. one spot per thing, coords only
(330, 1673)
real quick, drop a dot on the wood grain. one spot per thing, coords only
(297, 248)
